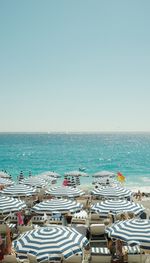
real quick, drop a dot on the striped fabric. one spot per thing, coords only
(100, 250)
(35, 182)
(117, 206)
(76, 173)
(10, 204)
(19, 190)
(112, 192)
(105, 181)
(104, 174)
(61, 205)
(4, 181)
(133, 231)
(132, 250)
(46, 241)
(65, 191)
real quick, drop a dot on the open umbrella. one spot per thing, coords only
(54, 241)
(10, 204)
(117, 206)
(112, 192)
(133, 231)
(61, 205)
(64, 191)
(19, 190)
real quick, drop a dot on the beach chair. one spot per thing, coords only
(95, 218)
(100, 254)
(73, 259)
(134, 254)
(10, 259)
(97, 233)
(75, 220)
(22, 229)
(32, 258)
(38, 220)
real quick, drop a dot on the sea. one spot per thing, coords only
(128, 153)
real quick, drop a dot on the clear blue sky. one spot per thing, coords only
(74, 65)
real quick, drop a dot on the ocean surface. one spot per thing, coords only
(128, 153)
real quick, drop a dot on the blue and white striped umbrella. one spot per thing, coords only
(10, 204)
(5, 181)
(105, 180)
(117, 206)
(76, 173)
(61, 205)
(54, 241)
(104, 174)
(19, 190)
(112, 192)
(65, 191)
(35, 182)
(133, 231)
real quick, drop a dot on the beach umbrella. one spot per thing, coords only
(4, 174)
(105, 180)
(133, 231)
(112, 192)
(35, 182)
(61, 205)
(104, 174)
(21, 176)
(19, 190)
(10, 204)
(76, 173)
(66, 191)
(73, 184)
(50, 174)
(5, 181)
(117, 206)
(56, 241)
(77, 180)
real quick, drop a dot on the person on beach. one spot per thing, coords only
(19, 218)
(138, 195)
(65, 182)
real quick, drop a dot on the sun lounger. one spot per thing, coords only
(32, 258)
(73, 259)
(75, 220)
(134, 254)
(22, 229)
(38, 220)
(100, 255)
(97, 232)
(10, 259)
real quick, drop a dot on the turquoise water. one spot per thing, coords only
(125, 152)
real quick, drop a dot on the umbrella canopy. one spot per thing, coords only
(104, 174)
(133, 231)
(4, 181)
(61, 205)
(65, 191)
(4, 174)
(19, 190)
(117, 206)
(35, 181)
(76, 173)
(50, 174)
(105, 180)
(10, 204)
(112, 192)
(54, 241)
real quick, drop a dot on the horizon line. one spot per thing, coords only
(67, 132)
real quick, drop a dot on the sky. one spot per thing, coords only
(74, 65)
